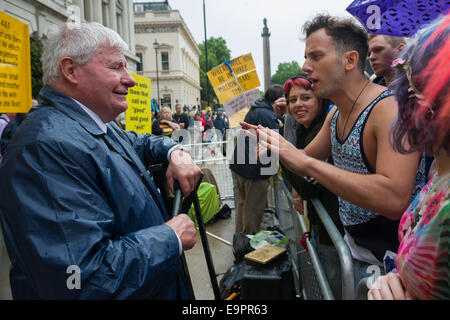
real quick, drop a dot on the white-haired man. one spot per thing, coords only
(80, 200)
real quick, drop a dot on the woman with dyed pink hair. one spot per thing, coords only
(421, 87)
(310, 112)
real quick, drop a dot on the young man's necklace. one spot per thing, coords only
(351, 110)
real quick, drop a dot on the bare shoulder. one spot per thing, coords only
(331, 114)
(327, 122)
(384, 112)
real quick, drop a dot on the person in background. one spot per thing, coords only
(208, 118)
(221, 125)
(383, 49)
(164, 125)
(5, 118)
(219, 122)
(251, 183)
(180, 117)
(84, 219)
(192, 119)
(199, 132)
(9, 130)
(421, 89)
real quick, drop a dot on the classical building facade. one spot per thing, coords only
(42, 15)
(169, 54)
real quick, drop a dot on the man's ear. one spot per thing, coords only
(68, 68)
(351, 59)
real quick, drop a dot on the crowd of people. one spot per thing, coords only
(375, 151)
(165, 121)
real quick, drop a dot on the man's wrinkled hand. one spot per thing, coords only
(185, 229)
(183, 169)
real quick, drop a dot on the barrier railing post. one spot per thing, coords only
(322, 280)
(345, 257)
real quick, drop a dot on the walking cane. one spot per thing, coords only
(193, 198)
(175, 212)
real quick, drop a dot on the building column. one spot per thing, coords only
(126, 24)
(130, 23)
(112, 14)
(96, 14)
(266, 56)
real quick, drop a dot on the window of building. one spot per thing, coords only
(138, 7)
(166, 100)
(165, 61)
(140, 64)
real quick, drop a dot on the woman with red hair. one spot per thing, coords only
(310, 112)
(421, 87)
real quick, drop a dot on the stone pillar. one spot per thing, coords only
(96, 13)
(126, 24)
(112, 14)
(266, 56)
(130, 26)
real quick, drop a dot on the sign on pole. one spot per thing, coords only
(15, 65)
(235, 83)
(139, 113)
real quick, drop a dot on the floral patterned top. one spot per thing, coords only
(424, 233)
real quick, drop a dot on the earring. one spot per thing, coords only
(431, 110)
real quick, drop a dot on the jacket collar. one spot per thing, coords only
(69, 107)
(262, 103)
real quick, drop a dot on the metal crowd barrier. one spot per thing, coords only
(210, 154)
(308, 267)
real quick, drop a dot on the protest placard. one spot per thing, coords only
(235, 84)
(139, 114)
(15, 66)
(240, 65)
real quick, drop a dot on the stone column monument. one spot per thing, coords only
(266, 56)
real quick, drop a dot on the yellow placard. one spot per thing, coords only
(15, 65)
(249, 81)
(237, 117)
(219, 75)
(139, 113)
(243, 64)
(239, 65)
(230, 89)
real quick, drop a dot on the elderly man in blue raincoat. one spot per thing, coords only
(83, 218)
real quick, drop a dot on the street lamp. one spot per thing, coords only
(206, 52)
(156, 46)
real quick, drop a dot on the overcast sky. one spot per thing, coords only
(240, 23)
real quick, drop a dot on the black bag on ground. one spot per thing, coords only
(241, 246)
(231, 281)
(272, 282)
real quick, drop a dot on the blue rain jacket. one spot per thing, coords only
(73, 199)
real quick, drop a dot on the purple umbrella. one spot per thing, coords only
(397, 17)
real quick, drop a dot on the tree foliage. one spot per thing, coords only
(218, 53)
(36, 68)
(284, 71)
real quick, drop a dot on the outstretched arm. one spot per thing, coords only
(387, 192)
